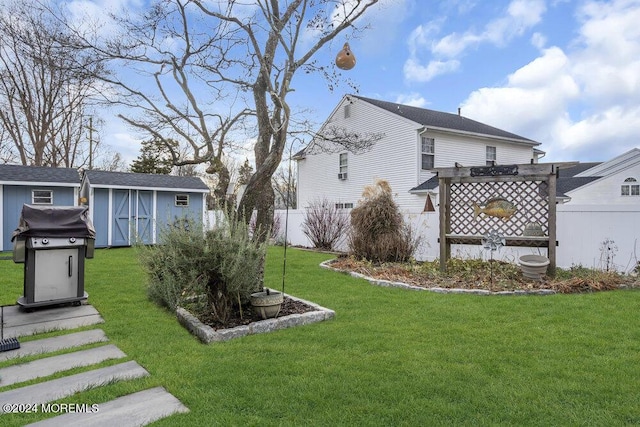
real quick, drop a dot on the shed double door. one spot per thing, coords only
(132, 217)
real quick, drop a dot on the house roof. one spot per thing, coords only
(566, 182)
(99, 178)
(430, 184)
(567, 179)
(445, 121)
(40, 175)
(619, 163)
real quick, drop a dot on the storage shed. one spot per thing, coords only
(130, 207)
(35, 185)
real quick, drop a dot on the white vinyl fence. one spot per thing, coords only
(588, 235)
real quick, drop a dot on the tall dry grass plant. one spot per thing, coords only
(378, 231)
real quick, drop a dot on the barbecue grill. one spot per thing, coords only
(52, 242)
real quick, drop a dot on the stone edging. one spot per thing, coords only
(390, 284)
(207, 334)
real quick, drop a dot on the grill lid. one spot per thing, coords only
(54, 221)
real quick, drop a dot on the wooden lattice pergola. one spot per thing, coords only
(530, 187)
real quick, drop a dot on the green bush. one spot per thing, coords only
(212, 273)
(378, 231)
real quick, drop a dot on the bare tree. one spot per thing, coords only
(112, 163)
(285, 185)
(45, 87)
(324, 224)
(222, 69)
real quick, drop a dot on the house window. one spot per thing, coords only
(428, 150)
(347, 111)
(182, 200)
(491, 155)
(631, 187)
(42, 197)
(344, 205)
(342, 171)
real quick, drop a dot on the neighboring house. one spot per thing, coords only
(614, 182)
(21, 185)
(412, 141)
(130, 207)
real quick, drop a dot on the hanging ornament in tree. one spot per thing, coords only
(345, 60)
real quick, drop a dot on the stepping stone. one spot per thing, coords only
(137, 409)
(49, 345)
(62, 387)
(18, 322)
(51, 365)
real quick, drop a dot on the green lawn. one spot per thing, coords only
(390, 357)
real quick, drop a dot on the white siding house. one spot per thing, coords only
(410, 141)
(614, 182)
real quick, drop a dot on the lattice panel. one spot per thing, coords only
(529, 197)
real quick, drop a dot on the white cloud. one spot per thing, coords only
(519, 16)
(607, 60)
(538, 40)
(534, 97)
(416, 72)
(413, 99)
(420, 36)
(582, 104)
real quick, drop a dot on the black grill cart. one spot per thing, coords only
(52, 242)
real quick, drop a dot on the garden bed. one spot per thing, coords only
(476, 276)
(295, 312)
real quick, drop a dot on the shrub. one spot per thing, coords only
(378, 231)
(324, 224)
(223, 265)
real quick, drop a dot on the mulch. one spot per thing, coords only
(395, 272)
(289, 306)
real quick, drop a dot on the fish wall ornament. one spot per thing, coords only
(345, 59)
(497, 207)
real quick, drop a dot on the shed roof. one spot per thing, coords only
(99, 178)
(441, 120)
(39, 174)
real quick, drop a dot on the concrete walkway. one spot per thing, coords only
(136, 409)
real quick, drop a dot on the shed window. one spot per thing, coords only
(428, 149)
(631, 187)
(491, 155)
(42, 197)
(182, 200)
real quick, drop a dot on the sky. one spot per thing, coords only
(563, 73)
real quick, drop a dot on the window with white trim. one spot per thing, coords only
(428, 151)
(631, 187)
(42, 197)
(342, 168)
(182, 200)
(491, 155)
(344, 205)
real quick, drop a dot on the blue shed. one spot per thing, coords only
(36, 185)
(128, 207)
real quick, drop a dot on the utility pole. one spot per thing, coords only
(90, 142)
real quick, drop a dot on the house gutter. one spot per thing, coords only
(479, 135)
